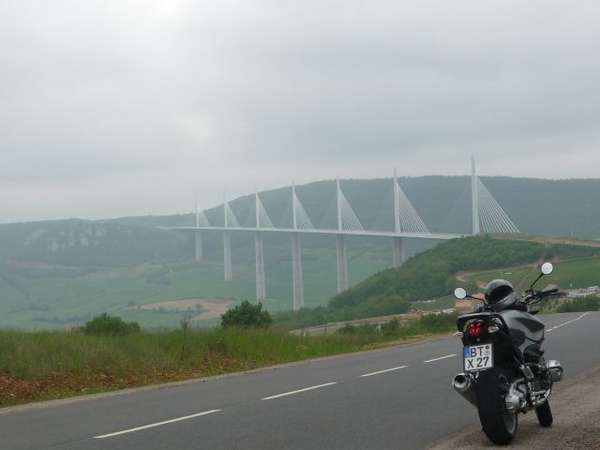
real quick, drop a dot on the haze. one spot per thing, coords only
(114, 107)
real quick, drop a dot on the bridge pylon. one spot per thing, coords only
(474, 198)
(227, 265)
(297, 275)
(261, 285)
(198, 253)
(299, 216)
(342, 257)
(398, 255)
(397, 247)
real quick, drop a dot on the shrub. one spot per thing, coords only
(247, 315)
(110, 326)
(580, 304)
(391, 328)
(364, 329)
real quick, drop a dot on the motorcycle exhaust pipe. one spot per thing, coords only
(463, 384)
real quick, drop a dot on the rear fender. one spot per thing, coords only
(485, 316)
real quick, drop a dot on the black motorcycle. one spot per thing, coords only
(505, 372)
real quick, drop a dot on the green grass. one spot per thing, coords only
(51, 364)
(577, 273)
(579, 305)
(38, 355)
(58, 298)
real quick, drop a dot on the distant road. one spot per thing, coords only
(548, 240)
(397, 398)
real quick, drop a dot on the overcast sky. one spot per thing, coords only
(126, 107)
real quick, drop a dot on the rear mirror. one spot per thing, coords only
(547, 268)
(460, 293)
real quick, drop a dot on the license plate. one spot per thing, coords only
(478, 357)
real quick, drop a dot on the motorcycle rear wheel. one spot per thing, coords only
(499, 424)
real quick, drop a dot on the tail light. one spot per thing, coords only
(475, 329)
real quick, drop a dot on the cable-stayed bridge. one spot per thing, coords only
(487, 217)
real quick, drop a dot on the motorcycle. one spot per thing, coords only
(505, 372)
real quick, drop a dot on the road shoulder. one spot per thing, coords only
(576, 408)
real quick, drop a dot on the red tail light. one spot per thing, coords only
(475, 329)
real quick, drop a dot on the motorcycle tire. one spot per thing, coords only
(544, 414)
(499, 424)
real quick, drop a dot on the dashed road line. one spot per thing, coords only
(298, 391)
(440, 358)
(567, 322)
(157, 424)
(391, 369)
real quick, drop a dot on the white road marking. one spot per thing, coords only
(157, 424)
(440, 358)
(567, 322)
(310, 388)
(383, 371)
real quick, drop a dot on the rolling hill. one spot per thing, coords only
(59, 273)
(433, 274)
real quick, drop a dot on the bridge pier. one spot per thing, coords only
(398, 251)
(261, 285)
(475, 198)
(342, 264)
(198, 251)
(297, 277)
(227, 267)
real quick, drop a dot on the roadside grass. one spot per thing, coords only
(578, 273)
(45, 365)
(579, 305)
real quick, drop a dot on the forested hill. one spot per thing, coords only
(432, 274)
(537, 206)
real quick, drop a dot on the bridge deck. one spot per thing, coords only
(437, 236)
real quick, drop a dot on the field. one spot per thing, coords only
(578, 273)
(196, 308)
(36, 296)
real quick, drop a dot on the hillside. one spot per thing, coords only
(537, 206)
(86, 243)
(59, 273)
(433, 274)
(547, 207)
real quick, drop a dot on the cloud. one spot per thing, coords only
(114, 107)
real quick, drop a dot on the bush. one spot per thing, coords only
(579, 305)
(391, 328)
(247, 315)
(110, 326)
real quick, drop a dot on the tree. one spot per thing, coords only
(110, 325)
(247, 315)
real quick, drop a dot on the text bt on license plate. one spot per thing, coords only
(478, 357)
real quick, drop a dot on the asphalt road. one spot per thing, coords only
(397, 398)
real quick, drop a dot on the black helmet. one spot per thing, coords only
(498, 290)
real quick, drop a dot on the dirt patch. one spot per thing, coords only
(576, 409)
(201, 308)
(14, 391)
